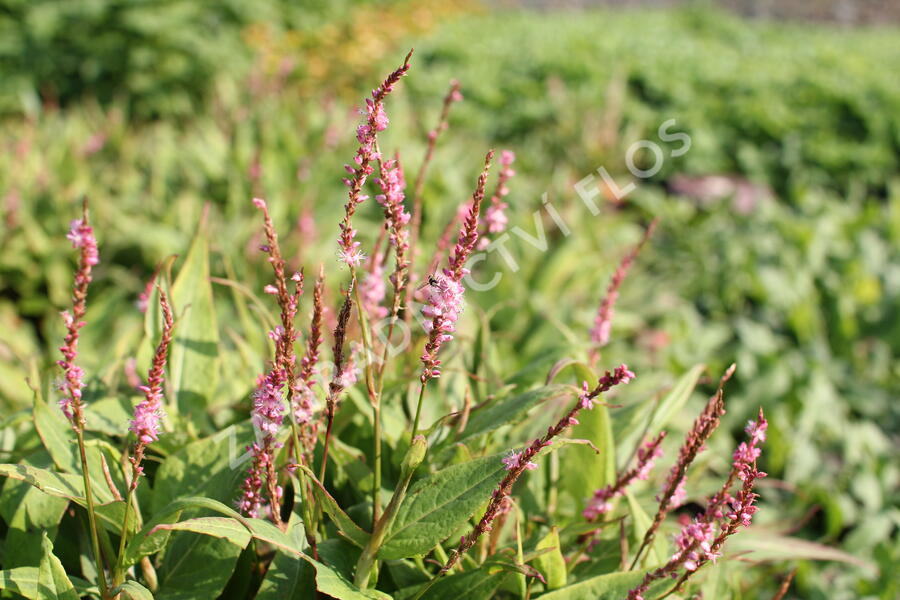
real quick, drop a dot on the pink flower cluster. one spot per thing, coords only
(251, 489)
(304, 400)
(393, 184)
(701, 539)
(444, 298)
(695, 541)
(147, 415)
(376, 120)
(514, 461)
(82, 237)
(268, 408)
(267, 417)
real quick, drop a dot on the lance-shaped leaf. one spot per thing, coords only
(345, 524)
(510, 410)
(193, 362)
(439, 504)
(53, 583)
(551, 564)
(612, 586)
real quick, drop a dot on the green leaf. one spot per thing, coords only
(28, 513)
(64, 485)
(477, 584)
(612, 586)
(195, 566)
(764, 545)
(134, 591)
(149, 539)
(53, 583)
(551, 564)
(439, 504)
(288, 578)
(59, 440)
(211, 467)
(595, 470)
(332, 583)
(21, 580)
(345, 524)
(218, 527)
(193, 362)
(675, 400)
(641, 522)
(510, 410)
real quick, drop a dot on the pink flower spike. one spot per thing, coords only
(514, 461)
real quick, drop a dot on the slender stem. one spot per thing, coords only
(92, 519)
(329, 417)
(119, 571)
(415, 426)
(374, 400)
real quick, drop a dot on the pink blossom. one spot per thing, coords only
(514, 461)
(147, 416)
(268, 408)
(82, 236)
(443, 304)
(375, 120)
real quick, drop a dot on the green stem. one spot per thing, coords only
(374, 400)
(415, 426)
(92, 519)
(368, 558)
(119, 571)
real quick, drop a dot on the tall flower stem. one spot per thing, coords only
(415, 427)
(92, 519)
(374, 399)
(82, 237)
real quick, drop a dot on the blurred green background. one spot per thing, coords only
(779, 232)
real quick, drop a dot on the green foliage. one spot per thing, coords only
(800, 290)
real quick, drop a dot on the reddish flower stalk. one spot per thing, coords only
(268, 403)
(366, 134)
(495, 219)
(519, 462)
(82, 237)
(338, 376)
(396, 218)
(268, 415)
(445, 290)
(601, 502)
(603, 321)
(304, 397)
(695, 441)
(453, 95)
(149, 412)
(698, 542)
